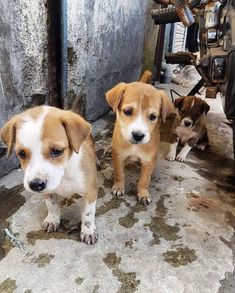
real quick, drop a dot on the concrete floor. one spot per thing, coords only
(183, 242)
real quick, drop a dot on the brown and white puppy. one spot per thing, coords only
(57, 154)
(139, 109)
(188, 128)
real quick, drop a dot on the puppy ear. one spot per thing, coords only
(114, 96)
(206, 107)
(167, 106)
(178, 102)
(8, 134)
(77, 129)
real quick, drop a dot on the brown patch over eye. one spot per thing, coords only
(128, 111)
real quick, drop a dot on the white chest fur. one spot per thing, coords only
(73, 180)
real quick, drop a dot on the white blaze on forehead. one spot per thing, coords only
(192, 103)
(29, 134)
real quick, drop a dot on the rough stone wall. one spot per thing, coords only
(23, 55)
(105, 47)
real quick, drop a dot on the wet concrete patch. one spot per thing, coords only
(113, 203)
(101, 192)
(8, 286)
(79, 280)
(129, 243)
(43, 259)
(68, 201)
(65, 231)
(128, 280)
(228, 283)
(180, 257)
(159, 227)
(11, 200)
(129, 220)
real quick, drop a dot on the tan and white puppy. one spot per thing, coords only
(57, 154)
(139, 109)
(188, 128)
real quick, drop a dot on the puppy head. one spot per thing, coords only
(44, 139)
(138, 107)
(190, 110)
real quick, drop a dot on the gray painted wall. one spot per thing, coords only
(105, 47)
(23, 55)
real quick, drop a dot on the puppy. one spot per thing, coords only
(139, 109)
(57, 154)
(188, 129)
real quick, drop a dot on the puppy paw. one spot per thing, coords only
(88, 233)
(51, 224)
(118, 189)
(171, 156)
(181, 157)
(144, 197)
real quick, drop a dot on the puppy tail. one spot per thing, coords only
(146, 77)
(78, 105)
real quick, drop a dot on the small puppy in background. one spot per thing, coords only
(57, 154)
(139, 110)
(188, 129)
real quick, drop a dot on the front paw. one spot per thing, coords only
(118, 189)
(171, 156)
(144, 197)
(88, 233)
(181, 157)
(51, 223)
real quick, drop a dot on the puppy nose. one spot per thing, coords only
(37, 184)
(138, 136)
(187, 123)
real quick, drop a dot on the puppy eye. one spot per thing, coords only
(127, 111)
(21, 154)
(152, 117)
(56, 153)
(183, 111)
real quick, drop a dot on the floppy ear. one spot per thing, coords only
(206, 107)
(178, 102)
(114, 96)
(77, 129)
(8, 134)
(167, 106)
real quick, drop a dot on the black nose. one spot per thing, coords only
(37, 184)
(138, 136)
(187, 123)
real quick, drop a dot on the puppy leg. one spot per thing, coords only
(143, 195)
(88, 229)
(52, 221)
(203, 141)
(181, 157)
(173, 146)
(119, 183)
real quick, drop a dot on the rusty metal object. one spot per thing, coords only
(164, 2)
(211, 92)
(184, 12)
(159, 52)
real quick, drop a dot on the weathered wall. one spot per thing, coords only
(23, 53)
(105, 47)
(151, 34)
